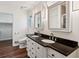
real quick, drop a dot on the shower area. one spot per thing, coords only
(6, 26)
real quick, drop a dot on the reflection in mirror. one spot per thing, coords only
(58, 16)
(63, 15)
(37, 20)
(54, 17)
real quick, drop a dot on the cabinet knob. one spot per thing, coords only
(53, 55)
(38, 48)
(32, 48)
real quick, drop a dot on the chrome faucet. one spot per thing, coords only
(51, 36)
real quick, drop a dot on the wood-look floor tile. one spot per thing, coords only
(8, 51)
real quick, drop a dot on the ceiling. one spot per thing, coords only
(21, 4)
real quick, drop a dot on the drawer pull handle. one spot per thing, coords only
(53, 55)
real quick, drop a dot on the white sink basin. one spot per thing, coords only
(35, 36)
(47, 41)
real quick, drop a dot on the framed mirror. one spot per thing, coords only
(58, 17)
(37, 20)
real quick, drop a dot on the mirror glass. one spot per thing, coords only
(58, 16)
(37, 20)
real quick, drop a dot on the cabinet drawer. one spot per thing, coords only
(54, 54)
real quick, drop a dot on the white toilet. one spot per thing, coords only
(22, 43)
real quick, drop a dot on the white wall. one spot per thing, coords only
(19, 20)
(74, 35)
(19, 26)
(29, 26)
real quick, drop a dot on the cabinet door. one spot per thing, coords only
(33, 49)
(29, 47)
(41, 51)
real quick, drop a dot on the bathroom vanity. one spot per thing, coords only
(38, 49)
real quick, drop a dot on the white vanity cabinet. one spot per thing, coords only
(31, 48)
(35, 50)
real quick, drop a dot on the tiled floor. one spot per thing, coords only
(7, 51)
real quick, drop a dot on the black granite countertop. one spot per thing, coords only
(64, 49)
